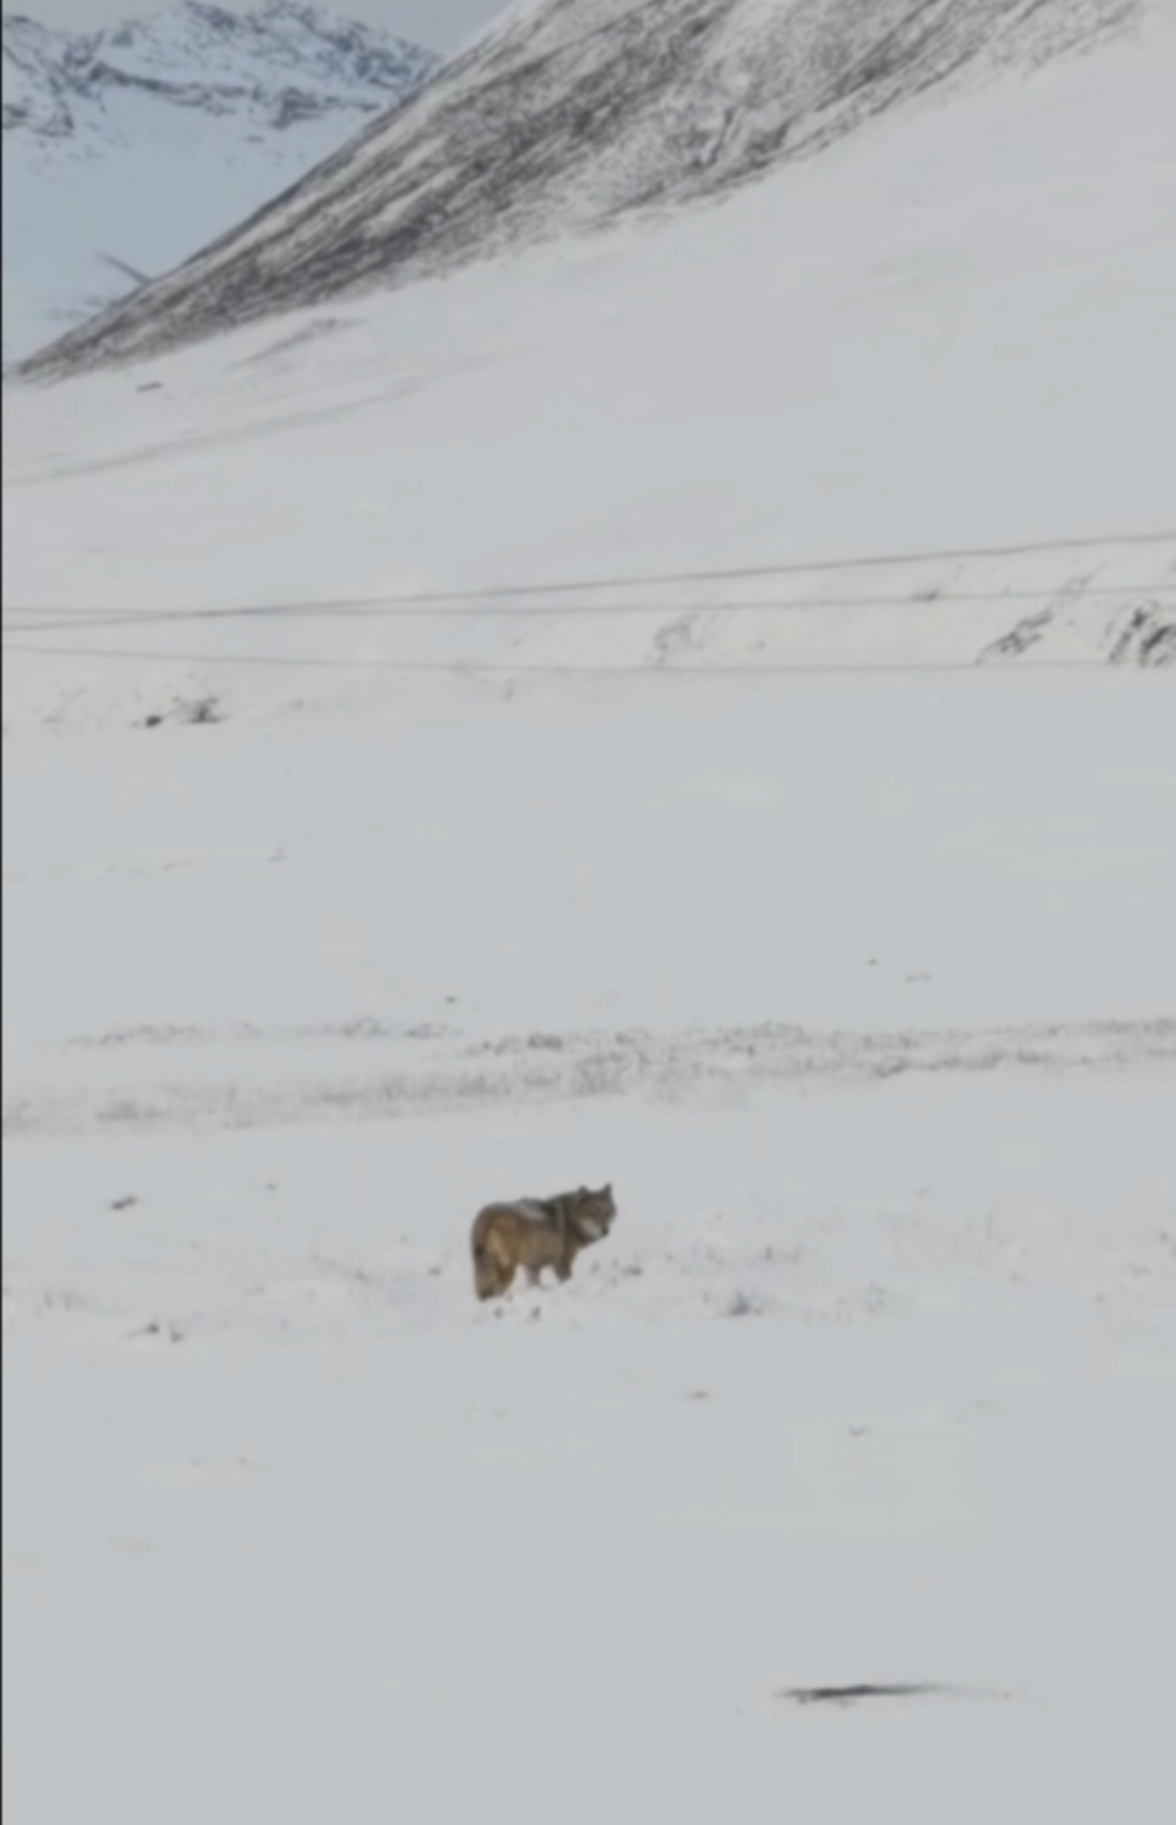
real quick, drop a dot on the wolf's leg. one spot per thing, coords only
(534, 1274)
(485, 1275)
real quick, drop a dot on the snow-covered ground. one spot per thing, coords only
(873, 1382)
(128, 149)
(847, 959)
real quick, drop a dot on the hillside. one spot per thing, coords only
(573, 113)
(950, 331)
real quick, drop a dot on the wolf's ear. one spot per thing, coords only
(607, 1191)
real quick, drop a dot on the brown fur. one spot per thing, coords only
(535, 1233)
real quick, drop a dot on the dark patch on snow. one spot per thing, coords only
(849, 1695)
(1027, 632)
(187, 709)
(1141, 633)
(1148, 638)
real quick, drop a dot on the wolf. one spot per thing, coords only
(535, 1233)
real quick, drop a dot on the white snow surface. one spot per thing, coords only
(127, 149)
(825, 919)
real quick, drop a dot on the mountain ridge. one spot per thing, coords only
(568, 115)
(196, 54)
(128, 149)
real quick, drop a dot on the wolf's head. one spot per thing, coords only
(593, 1212)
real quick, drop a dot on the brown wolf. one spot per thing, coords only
(535, 1233)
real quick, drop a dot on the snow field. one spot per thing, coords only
(858, 983)
(869, 1383)
(331, 1535)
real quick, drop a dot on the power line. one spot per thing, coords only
(500, 591)
(503, 601)
(474, 668)
(498, 610)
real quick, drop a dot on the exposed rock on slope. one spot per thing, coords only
(569, 114)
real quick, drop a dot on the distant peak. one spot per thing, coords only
(194, 53)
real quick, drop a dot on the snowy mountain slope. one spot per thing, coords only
(126, 150)
(951, 335)
(361, 866)
(576, 111)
